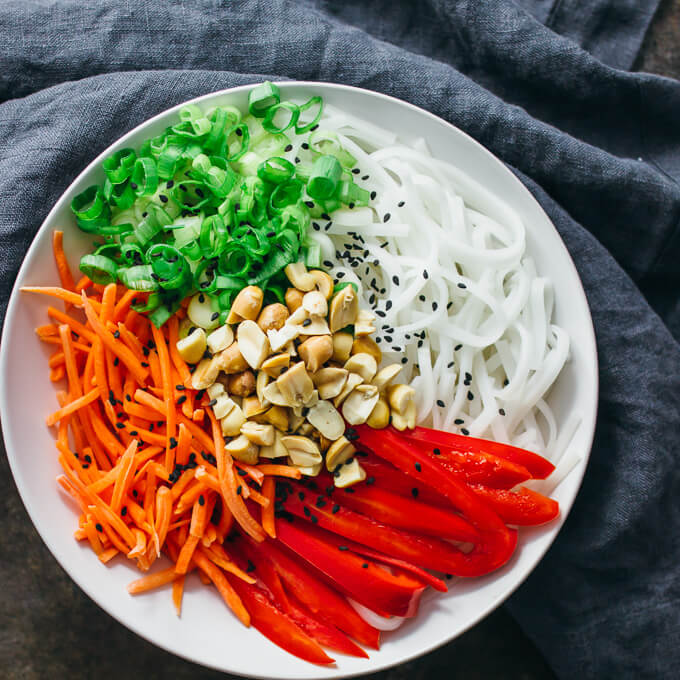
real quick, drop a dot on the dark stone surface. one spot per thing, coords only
(50, 629)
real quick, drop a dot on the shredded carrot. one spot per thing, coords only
(180, 364)
(152, 581)
(56, 374)
(268, 521)
(123, 305)
(232, 600)
(83, 283)
(62, 294)
(73, 406)
(279, 471)
(183, 445)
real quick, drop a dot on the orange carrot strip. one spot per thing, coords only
(118, 348)
(198, 415)
(225, 524)
(123, 305)
(279, 470)
(72, 407)
(56, 374)
(181, 484)
(47, 332)
(112, 447)
(183, 445)
(93, 537)
(186, 554)
(75, 326)
(108, 302)
(140, 411)
(56, 340)
(190, 496)
(199, 517)
(63, 268)
(66, 295)
(227, 478)
(155, 369)
(268, 521)
(163, 514)
(126, 472)
(177, 525)
(108, 554)
(83, 283)
(217, 554)
(149, 400)
(166, 377)
(256, 496)
(152, 581)
(131, 341)
(180, 364)
(232, 600)
(178, 593)
(74, 386)
(253, 472)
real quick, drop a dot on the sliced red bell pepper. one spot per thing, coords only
(325, 634)
(423, 551)
(266, 573)
(372, 586)
(479, 468)
(384, 475)
(322, 600)
(538, 466)
(497, 541)
(394, 562)
(405, 513)
(523, 507)
(276, 625)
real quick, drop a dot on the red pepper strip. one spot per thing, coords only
(522, 506)
(325, 634)
(420, 574)
(387, 477)
(424, 551)
(478, 467)
(265, 572)
(497, 543)
(372, 586)
(538, 466)
(405, 513)
(324, 602)
(276, 625)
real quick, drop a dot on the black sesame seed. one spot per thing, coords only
(301, 495)
(307, 322)
(440, 403)
(238, 132)
(450, 364)
(250, 567)
(421, 298)
(365, 177)
(417, 467)
(436, 452)
(116, 334)
(214, 316)
(163, 198)
(404, 360)
(414, 492)
(388, 305)
(335, 509)
(420, 343)
(364, 565)
(133, 186)
(343, 548)
(239, 490)
(401, 204)
(135, 493)
(133, 433)
(173, 443)
(373, 195)
(169, 184)
(434, 306)
(116, 361)
(180, 387)
(123, 511)
(99, 527)
(458, 421)
(355, 171)
(457, 347)
(386, 217)
(181, 399)
(462, 285)
(501, 411)
(370, 480)
(506, 382)
(120, 426)
(201, 500)
(380, 313)
(464, 431)
(212, 402)
(289, 147)
(395, 280)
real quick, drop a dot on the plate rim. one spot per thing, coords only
(52, 543)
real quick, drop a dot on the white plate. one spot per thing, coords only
(207, 633)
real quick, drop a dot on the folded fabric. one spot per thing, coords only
(598, 147)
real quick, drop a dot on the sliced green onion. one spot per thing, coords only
(151, 303)
(169, 266)
(242, 133)
(310, 104)
(90, 209)
(262, 97)
(349, 193)
(131, 254)
(118, 167)
(162, 313)
(139, 277)
(325, 142)
(213, 237)
(285, 194)
(326, 174)
(275, 170)
(269, 124)
(313, 256)
(144, 179)
(99, 268)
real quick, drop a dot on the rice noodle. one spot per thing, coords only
(467, 309)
